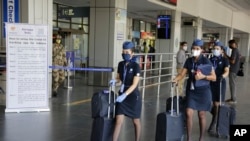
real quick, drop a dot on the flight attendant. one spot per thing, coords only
(128, 103)
(198, 96)
(221, 66)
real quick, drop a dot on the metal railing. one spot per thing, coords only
(155, 67)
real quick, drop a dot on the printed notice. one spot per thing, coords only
(27, 64)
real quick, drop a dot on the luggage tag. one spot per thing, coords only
(105, 91)
(122, 88)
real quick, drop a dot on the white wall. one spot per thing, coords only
(212, 10)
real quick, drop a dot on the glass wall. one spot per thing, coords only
(75, 34)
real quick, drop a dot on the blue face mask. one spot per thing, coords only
(126, 57)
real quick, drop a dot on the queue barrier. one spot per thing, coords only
(98, 76)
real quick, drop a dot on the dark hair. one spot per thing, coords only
(183, 43)
(232, 41)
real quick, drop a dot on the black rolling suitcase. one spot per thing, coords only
(170, 124)
(103, 123)
(100, 103)
(226, 117)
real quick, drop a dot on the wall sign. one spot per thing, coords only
(10, 12)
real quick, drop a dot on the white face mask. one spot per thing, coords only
(185, 48)
(196, 53)
(216, 52)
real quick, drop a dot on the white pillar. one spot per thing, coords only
(248, 48)
(198, 28)
(171, 45)
(107, 33)
(230, 33)
(1, 24)
(243, 44)
(39, 12)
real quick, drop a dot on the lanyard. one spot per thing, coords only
(215, 63)
(124, 77)
(124, 73)
(216, 60)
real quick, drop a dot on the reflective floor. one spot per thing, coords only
(70, 115)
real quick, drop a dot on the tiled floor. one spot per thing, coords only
(70, 115)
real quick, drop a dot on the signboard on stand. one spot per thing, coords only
(27, 67)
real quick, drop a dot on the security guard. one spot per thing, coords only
(221, 66)
(58, 59)
(129, 100)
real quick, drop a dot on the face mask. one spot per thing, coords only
(126, 57)
(216, 53)
(196, 53)
(58, 41)
(184, 47)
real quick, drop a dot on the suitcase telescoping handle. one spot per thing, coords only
(174, 88)
(111, 88)
(221, 91)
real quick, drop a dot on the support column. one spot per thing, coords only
(39, 12)
(1, 24)
(170, 45)
(244, 45)
(248, 48)
(107, 33)
(198, 28)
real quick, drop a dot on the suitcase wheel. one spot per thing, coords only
(221, 136)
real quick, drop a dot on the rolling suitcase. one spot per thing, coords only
(170, 125)
(100, 103)
(226, 117)
(103, 126)
(182, 104)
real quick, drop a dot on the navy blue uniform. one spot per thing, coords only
(132, 104)
(219, 64)
(198, 98)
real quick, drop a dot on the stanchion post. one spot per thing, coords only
(159, 78)
(144, 76)
(68, 70)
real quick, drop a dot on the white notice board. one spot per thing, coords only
(27, 67)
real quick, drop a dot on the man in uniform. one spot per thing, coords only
(58, 59)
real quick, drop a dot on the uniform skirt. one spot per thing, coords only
(199, 99)
(131, 106)
(215, 88)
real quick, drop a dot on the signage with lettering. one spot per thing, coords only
(27, 67)
(10, 12)
(70, 12)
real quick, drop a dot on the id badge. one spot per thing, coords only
(192, 86)
(122, 88)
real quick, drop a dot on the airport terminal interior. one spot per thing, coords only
(70, 115)
(92, 33)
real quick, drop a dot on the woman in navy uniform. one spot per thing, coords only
(198, 97)
(128, 103)
(221, 66)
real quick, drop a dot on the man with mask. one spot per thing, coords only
(180, 60)
(58, 59)
(234, 61)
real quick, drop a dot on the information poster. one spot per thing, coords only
(27, 67)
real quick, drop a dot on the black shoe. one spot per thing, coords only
(54, 94)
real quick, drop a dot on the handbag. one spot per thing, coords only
(240, 73)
